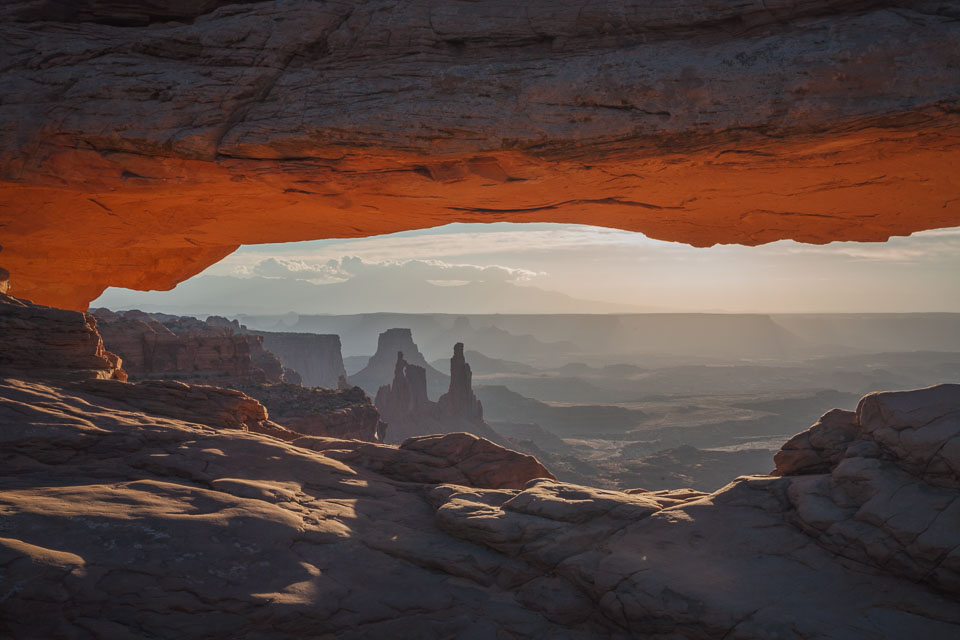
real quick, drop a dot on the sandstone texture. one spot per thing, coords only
(880, 485)
(43, 342)
(122, 521)
(333, 413)
(186, 348)
(700, 122)
(458, 458)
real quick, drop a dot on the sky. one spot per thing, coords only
(506, 267)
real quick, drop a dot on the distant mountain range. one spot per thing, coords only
(360, 294)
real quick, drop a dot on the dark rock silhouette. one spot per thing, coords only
(382, 367)
(316, 357)
(405, 406)
(459, 401)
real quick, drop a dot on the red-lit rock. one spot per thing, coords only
(171, 144)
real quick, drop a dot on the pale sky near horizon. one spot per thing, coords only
(916, 273)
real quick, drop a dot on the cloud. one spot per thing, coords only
(288, 269)
(347, 267)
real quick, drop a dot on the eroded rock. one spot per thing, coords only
(186, 348)
(43, 342)
(233, 533)
(882, 483)
(688, 121)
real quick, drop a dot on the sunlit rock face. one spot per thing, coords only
(185, 348)
(142, 142)
(42, 342)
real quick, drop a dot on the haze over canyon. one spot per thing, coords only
(479, 319)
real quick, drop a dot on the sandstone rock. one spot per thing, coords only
(456, 458)
(202, 404)
(885, 489)
(185, 529)
(819, 120)
(405, 406)
(407, 394)
(459, 401)
(819, 448)
(344, 413)
(316, 358)
(382, 368)
(189, 529)
(292, 376)
(187, 348)
(42, 342)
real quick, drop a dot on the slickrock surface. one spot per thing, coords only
(408, 411)
(316, 358)
(333, 413)
(883, 484)
(701, 122)
(214, 406)
(382, 367)
(119, 522)
(458, 458)
(43, 342)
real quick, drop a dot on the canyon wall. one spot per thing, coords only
(221, 352)
(316, 358)
(186, 348)
(42, 342)
(184, 509)
(688, 121)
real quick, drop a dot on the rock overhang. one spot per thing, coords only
(136, 156)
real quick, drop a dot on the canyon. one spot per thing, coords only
(169, 130)
(174, 509)
(382, 368)
(405, 406)
(168, 477)
(220, 352)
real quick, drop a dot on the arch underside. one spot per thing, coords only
(137, 155)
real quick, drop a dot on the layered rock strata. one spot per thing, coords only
(186, 348)
(701, 123)
(42, 342)
(119, 519)
(334, 413)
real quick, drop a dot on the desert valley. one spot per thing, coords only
(480, 320)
